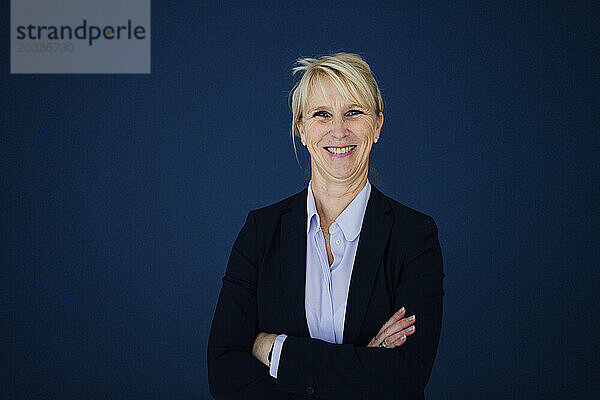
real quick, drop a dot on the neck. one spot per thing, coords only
(331, 198)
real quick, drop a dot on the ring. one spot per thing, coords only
(382, 344)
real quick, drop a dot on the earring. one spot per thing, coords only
(303, 142)
(376, 139)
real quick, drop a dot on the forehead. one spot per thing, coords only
(323, 90)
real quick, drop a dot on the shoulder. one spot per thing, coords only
(413, 232)
(273, 212)
(405, 216)
(263, 224)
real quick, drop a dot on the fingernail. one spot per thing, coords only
(403, 337)
(401, 310)
(411, 318)
(411, 328)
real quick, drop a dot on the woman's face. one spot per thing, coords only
(338, 134)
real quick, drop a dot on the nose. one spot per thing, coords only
(338, 127)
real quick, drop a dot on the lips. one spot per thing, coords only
(340, 150)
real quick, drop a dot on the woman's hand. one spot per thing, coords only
(395, 331)
(262, 346)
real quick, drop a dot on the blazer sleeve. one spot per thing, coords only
(233, 372)
(327, 370)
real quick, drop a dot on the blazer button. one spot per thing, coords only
(310, 390)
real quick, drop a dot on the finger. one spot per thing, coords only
(398, 326)
(400, 337)
(393, 328)
(395, 317)
(394, 339)
(398, 342)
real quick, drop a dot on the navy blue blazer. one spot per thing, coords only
(398, 263)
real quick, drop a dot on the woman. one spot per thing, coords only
(335, 292)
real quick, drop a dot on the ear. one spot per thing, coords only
(378, 125)
(300, 129)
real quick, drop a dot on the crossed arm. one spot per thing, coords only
(237, 350)
(392, 334)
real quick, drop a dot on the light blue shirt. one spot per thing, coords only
(326, 291)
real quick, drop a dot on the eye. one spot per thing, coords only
(323, 114)
(352, 113)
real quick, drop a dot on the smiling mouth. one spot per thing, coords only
(340, 150)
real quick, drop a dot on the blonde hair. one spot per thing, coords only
(348, 72)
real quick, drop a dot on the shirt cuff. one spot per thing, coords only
(275, 355)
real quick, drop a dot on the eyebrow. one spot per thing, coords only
(353, 105)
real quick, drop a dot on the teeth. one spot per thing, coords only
(339, 150)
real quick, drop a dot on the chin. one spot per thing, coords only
(341, 175)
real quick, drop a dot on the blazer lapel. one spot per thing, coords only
(374, 234)
(293, 263)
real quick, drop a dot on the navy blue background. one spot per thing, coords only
(122, 194)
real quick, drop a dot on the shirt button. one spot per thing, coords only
(333, 227)
(310, 390)
(338, 242)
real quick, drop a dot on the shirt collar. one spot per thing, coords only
(350, 220)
